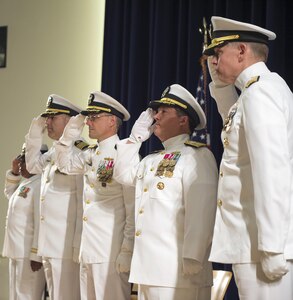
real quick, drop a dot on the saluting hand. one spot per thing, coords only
(37, 127)
(213, 73)
(142, 128)
(72, 130)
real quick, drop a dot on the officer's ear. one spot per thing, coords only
(184, 120)
(112, 120)
(242, 50)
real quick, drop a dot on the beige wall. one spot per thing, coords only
(54, 46)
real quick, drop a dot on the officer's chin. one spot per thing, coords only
(92, 135)
(157, 132)
(50, 134)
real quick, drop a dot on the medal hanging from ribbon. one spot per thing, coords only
(229, 119)
(167, 165)
(105, 171)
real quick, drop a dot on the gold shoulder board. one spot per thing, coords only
(195, 144)
(252, 81)
(81, 145)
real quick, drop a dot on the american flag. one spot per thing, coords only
(201, 136)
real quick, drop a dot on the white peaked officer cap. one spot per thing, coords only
(177, 96)
(57, 105)
(227, 30)
(99, 102)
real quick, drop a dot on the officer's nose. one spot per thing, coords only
(157, 115)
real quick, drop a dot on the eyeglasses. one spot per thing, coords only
(52, 117)
(92, 118)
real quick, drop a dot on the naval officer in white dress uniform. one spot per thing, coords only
(60, 202)
(175, 200)
(108, 207)
(254, 220)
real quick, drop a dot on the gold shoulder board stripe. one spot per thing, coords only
(94, 146)
(12, 181)
(81, 145)
(195, 144)
(252, 81)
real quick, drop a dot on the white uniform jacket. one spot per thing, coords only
(174, 211)
(108, 207)
(255, 192)
(22, 220)
(60, 203)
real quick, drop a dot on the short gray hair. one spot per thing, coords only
(181, 113)
(118, 123)
(260, 50)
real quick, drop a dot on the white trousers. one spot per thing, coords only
(62, 276)
(253, 285)
(147, 292)
(25, 284)
(102, 282)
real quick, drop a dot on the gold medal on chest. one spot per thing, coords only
(167, 165)
(105, 171)
(229, 119)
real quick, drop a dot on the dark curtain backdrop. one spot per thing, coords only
(150, 44)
